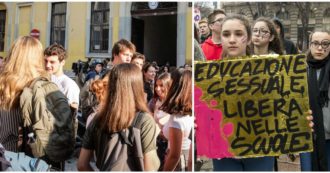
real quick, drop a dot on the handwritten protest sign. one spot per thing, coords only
(252, 106)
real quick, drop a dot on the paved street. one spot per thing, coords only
(71, 165)
(284, 164)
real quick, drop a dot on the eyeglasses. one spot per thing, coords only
(324, 44)
(260, 31)
(218, 20)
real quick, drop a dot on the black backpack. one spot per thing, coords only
(123, 149)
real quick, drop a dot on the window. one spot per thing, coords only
(99, 35)
(283, 14)
(58, 23)
(2, 29)
(327, 12)
(300, 40)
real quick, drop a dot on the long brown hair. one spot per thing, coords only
(276, 44)
(125, 97)
(247, 26)
(179, 97)
(165, 78)
(25, 62)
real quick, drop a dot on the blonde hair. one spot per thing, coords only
(25, 62)
(125, 96)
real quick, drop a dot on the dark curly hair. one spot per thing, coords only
(56, 49)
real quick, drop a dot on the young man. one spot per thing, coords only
(55, 56)
(138, 59)
(212, 47)
(122, 52)
(204, 30)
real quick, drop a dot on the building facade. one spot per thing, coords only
(160, 30)
(288, 12)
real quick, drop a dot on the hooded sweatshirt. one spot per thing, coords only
(288, 45)
(211, 51)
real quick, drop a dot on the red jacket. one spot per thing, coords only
(211, 51)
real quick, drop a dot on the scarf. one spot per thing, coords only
(323, 82)
(318, 98)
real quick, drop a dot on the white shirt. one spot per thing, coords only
(160, 116)
(68, 87)
(185, 124)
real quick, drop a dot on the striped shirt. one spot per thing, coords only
(10, 122)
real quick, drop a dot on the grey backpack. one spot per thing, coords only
(123, 149)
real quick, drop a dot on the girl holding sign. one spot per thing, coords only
(265, 39)
(236, 37)
(318, 85)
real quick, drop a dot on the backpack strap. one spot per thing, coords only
(36, 80)
(137, 120)
(135, 124)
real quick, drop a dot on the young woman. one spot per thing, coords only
(163, 84)
(165, 69)
(98, 87)
(265, 39)
(149, 74)
(178, 104)
(236, 37)
(124, 98)
(24, 63)
(318, 85)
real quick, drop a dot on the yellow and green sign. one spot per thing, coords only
(252, 106)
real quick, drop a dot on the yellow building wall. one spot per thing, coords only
(189, 40)
(24, 20)
(76, 33)
(2, 6)
(40, 20)
(13, 26)
(115, 21)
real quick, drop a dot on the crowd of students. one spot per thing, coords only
(128, 87)
(233, 36)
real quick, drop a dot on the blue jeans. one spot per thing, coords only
(248, 164)
(306, 158)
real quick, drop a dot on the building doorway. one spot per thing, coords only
(154, 31)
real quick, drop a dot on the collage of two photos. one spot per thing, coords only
(261, 88)
(164, 86)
